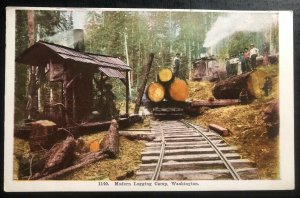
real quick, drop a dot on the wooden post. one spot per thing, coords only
(143, 85)
(101, 89)
(127, 93)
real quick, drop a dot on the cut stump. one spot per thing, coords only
(41, 135)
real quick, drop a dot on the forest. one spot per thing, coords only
(133, 35)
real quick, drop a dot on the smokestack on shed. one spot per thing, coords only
(78, 36)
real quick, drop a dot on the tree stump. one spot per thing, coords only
(110, 144)
(271, 118)
(41, 135)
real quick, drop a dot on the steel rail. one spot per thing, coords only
(228, 165)
(161, 156)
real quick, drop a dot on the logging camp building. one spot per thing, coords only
(74, 70)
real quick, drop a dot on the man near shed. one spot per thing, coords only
(253, 55)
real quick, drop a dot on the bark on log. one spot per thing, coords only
(41, 135)
(215, 103)
(110, 144)
(143, 85)
(271, 118)
(155, 92)
(165, 76)
(136, 136)
(231, 88)
(178, 90)
(60, 156)
(220, 130)
(91, 158)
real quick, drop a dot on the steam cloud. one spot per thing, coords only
(226, 26)
(79, 18)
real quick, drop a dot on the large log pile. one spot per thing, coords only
(167, 87)
(231, 88)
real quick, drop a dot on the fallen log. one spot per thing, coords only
(91, 158)
(60, 155)
(143, 84)
(215, 103)
(136, 136)
(220, 130)
(271, 118)
(251, 82)
(155, 92)
(110, 144)
(178, 90)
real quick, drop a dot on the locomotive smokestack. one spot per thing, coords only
(78, 37)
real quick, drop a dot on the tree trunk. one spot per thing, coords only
(41, 135)
(215, 103)
(155, 92)
(136, 136)
(110, 144)
(251, 82)
(60, 156)
(143, 84)
(178, 90)
(271, 118)
(32, 103)
(88, 159)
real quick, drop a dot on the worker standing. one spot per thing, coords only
(253, 54)
(176, 65)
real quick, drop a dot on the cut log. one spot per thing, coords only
(231, 88)
(215, 103)
(136, 136)
(60, 156)
(91, 158)
(155, 92)
(220, 130)
(165, 75)
(271, 118)
(94, 146)
(143, 85)
(110, 144)
(41, 135)
(178, 90)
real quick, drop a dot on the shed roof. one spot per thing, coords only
(41, 52)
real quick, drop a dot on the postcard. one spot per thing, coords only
(107, 99)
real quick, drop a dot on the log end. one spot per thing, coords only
(155, 92)
(165, 75)
(179, 90)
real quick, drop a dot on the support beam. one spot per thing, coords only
(127, 92)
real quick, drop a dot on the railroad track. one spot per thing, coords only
(183, 151)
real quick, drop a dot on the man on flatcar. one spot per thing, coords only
(176, 65)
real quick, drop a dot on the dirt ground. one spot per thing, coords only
(247, 128)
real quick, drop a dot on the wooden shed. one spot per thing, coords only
(75, 70)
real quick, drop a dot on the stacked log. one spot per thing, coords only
(167, 87)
